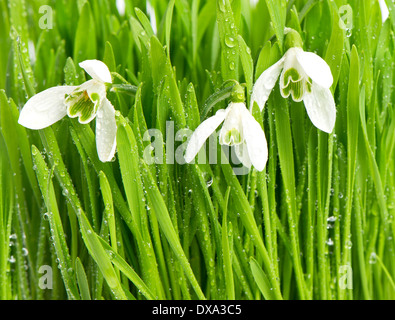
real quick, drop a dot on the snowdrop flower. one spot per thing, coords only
(85, 102)
(120, 6)
(306, 77)
(152, 15)
(240, 129)
(254, 3)
(384, 10)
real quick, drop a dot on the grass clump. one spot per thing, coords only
(317, 223)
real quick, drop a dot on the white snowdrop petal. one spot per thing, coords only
(121, 6)
(45, 108)
(97, 70)
(241, 151)
(384, 10)
(321, 108)
(233, 120)
(202, 133)
(255, 140)
(265, 84)
(316, 68)
(94, 87)
(106, 131)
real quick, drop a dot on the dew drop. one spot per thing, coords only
(230, 42)
(373, 258)
(331, 219)
(25, 252)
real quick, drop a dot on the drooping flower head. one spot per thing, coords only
(85, 102)
(305, 77)
(239, 130)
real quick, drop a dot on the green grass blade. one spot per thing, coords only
(158, 206)
(261, 280)
(126, 269)
(82, 280)
(229, 42)
(44, 177)
(227, 245)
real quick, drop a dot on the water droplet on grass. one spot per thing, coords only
(373, 258)
(230, 42)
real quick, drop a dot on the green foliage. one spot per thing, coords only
(130, 229)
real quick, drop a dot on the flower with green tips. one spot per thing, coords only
(306, 77)
(85, 102)
(239, 130)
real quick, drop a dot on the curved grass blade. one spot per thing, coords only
(44, 177)
(261, 280)
(127, 270)
(82, 280)
(159, 208)
(227, 248)
(228, 36)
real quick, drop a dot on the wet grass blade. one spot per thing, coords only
(158, 206)
(44, 177)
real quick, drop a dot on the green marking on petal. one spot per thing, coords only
(291, 75)
(232, 137)
(294, 84)
(81, 105)
(309, 84)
